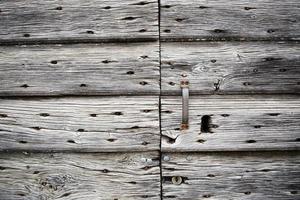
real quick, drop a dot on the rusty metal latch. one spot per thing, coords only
(185, 104)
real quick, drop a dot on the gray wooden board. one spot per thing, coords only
(260, 176)
(230, 19)
(232, 123)
(231, 67)
(80, 69)
(101, 20)
(88, 124)
(80, 176)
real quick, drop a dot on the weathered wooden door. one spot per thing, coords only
(91, 99)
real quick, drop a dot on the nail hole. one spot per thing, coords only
(143, 83)
(26, 35)
(207, 196)
(273, 114)
(146, 111)
(294, 192)
(282, 70)
(71, 141)
(201, 141)
(270, 30)
(90, 32)
(36, 128)
(44, 114)
(145, 143)
(247, 193)
(246, 83)
(83, 85)
(167, 31)
(225, 115)
(211, 175)
(144, 57)
(166, 6)
(248, 8)
(257, 126)
(58, 8)
(142, 3)
(36, 172)
(130, 72)
(3, 115)
(167, 111)
(66, 194)
(205, 124)
(219, 31)
(250, 141)
(213, 60)
(111, 140)
(128, 18)
(54, 62)
(105, 170)
(93, 115)
(171, 83)
(203, 7)
(179, 19)
(22, 142)
(107, 7)
(135, 127)
(117, 113)
(80, 130)
(24, 86)
(297, 140)
(106, 61)
(142, 30)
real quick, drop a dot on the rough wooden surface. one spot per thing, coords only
(266, 176)
(230, 19)
(237, 123)
(89, 20)
(79, 69)
(91, 124)
(235, 67)
(80, 176)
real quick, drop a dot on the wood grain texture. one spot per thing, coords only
(230, 19)
(80, 176)
(231, 67)
(89, 20)
(90, 124)
(101, 69)
(232, 123)
(266, 176)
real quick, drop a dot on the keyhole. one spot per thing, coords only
(205, 124)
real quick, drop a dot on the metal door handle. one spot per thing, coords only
(185, 104)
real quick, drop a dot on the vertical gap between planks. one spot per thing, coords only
(159, 106)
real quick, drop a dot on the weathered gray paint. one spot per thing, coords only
(231, 67)
(80, 176)
(90, 124)
(79, 69)
(230, 20)
(89, 20)
(260, 176)
(238, 123)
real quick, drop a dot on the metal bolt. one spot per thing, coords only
(176, 180)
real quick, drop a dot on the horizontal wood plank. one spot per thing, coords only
(232, 123)
(230, 19)
(89, 20)
(81, 69)
(80, 176)
(91, 124)
(231, 67)
(239, 176)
